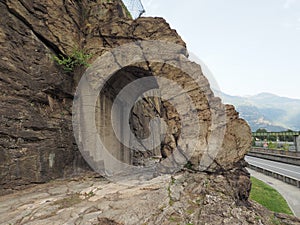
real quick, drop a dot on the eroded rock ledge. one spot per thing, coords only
(185, 198)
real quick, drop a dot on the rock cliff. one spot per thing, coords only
(36, 138)
(37, 143)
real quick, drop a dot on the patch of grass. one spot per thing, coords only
(173, 180)
(268, 197)
(189, 211)
(274, 220)
(174, 218)
(90, 194)
(171, 201)
(69, 201)
(258, 218)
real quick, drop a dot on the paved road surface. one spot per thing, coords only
(282, 168)
(289, 192)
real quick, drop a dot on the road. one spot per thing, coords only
(278, 167)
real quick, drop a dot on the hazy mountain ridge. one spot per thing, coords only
(266, 110)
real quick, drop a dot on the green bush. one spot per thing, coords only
(286, 146)
(272, 145)
(77, 58)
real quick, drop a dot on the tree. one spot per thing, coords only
(261, 130)
(287, 138)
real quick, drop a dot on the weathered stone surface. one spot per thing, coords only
(36, 141)
(36, 138)
(185, 198)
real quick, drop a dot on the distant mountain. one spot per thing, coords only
(266, 110)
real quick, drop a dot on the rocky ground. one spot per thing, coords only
(185, 198)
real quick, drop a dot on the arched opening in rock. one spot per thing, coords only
(129, 111)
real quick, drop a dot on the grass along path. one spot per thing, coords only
(268, 197)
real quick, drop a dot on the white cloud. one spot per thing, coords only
(288, 3)
(150, 6)
(149, 3)
(291, 24)
(287, 25)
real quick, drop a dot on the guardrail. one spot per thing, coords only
(287, 179)
(278, 152)
(276, 155)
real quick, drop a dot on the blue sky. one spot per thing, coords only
(250, 46)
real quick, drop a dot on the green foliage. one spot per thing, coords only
(173, 180)
(188, 165)
(275, 221)
(253, 142)
(90, 194)
(268, 137)
(286, 146)
(272, 138)
(287, 138)
(272, 145)
(68, 201)
(171, 202)
(261, 130)
(268, 197)
(77, 58)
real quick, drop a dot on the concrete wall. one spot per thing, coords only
(104, 116)
(113, 116)
(298, 143)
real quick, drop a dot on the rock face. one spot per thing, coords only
(36, 141)
(36, 138)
